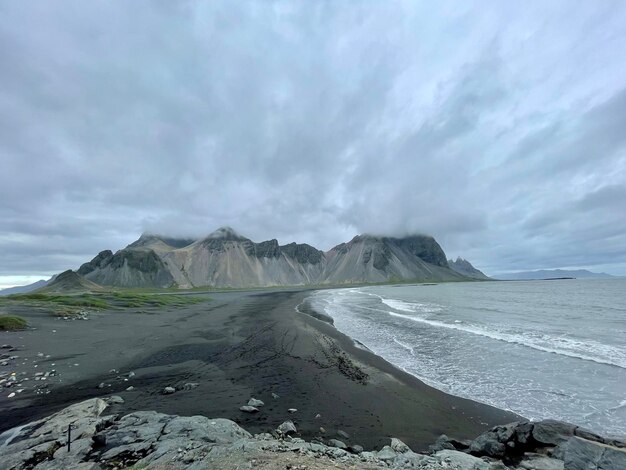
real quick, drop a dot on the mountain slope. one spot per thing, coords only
(464, 267)
(69, 282)
(227, 259)
(130, 267)
(24, 289)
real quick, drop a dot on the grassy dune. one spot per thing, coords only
(12, 323)
(71, 304)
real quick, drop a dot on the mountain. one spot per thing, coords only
(383, 259)
(24, 289)
(464, 267)
(69, 282)
(225, 258)
(552, 274)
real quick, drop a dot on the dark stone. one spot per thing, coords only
(355, 449)
(442, 443)
(337, 443)
(487, 444)
(343, 434)
(552, 432)
(523, 432)
(99, 440)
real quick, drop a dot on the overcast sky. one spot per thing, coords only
(498, 127)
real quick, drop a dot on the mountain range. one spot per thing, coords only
(552, 274)
(227, 259)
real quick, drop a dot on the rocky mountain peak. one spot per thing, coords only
(225, 233)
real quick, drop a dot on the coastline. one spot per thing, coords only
(241, 345)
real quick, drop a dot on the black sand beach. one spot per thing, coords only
(237, 346)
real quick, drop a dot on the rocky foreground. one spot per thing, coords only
(100, 439)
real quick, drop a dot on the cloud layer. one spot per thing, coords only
(498, 128)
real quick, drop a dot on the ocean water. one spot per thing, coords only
(543, 349)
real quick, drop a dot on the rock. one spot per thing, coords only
(130, 389)
(552, 432)
(322, 430)
(249, 409)
(191, 385)
(255, 402)
(443, 442)
(533, 461)
(589, 435)
(292, 410)
(355, 448)
(287, 428)
(318, 416)
(581, 454)
(487, 444)
(168, 390)
(343, 434)
(523, 432)
(130, 375)
(336, 443)
(460, 460)
(101, 385)
(99, 440)
(114, 400)
(386, 453)
(275, 396)
(398, 446)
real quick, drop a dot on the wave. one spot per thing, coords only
(411, 306)
(530, 342)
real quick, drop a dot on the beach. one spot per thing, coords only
(234, 347)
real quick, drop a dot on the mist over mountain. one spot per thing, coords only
(225, 258)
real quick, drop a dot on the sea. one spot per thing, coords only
(542, 349)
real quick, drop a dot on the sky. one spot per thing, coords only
(497, 127)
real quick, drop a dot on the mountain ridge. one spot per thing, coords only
(464, 267)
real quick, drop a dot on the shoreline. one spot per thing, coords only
(240, 345)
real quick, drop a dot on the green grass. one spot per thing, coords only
(12, 323)
(72, 304)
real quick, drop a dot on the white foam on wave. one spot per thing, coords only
(404, 345)
(411, 306)
(571, 348)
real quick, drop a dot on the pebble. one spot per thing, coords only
(292, 410)
(249, 409)
(168, 390)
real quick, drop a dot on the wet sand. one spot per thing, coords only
(237, 346)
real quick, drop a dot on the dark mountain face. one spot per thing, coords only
(130, 267)
(99, 261)
(424, 247)
(302, 253)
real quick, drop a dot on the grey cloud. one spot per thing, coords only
(312, 122)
